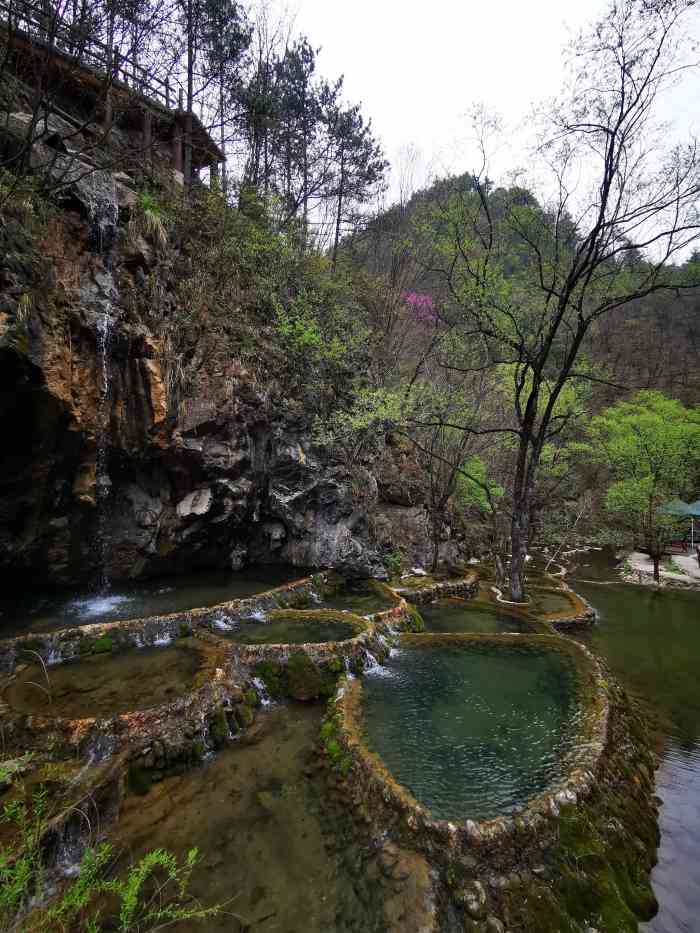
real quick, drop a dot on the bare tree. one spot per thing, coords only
(527, 281)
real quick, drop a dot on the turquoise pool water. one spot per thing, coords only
(472, 734)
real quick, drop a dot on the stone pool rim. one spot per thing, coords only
(210, 687)
(217, 685)
(395, 806)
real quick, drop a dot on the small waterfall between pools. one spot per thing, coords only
(103, 217)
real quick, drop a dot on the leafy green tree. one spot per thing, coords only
(651, 448)
(523, 285)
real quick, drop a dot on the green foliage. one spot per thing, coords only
(251, 697)
(11, 767)
(474, 487)
(23, 198)
(415, 622)
(328, 730)
(150, 217)
(271, 675)
(152, 894)
(219, 731)
(651, 448)
(393, 561)
(320, 328)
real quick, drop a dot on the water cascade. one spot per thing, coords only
(103, 216)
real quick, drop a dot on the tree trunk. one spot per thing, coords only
(436, 543)
(222, 138)
(655, 559)
(519, 536)
(190, 95)
(341, 192)
(500, 570)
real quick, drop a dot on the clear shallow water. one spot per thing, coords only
(471, 734)
(358, 596)
(458, 615)
(288, 633)
(47, 610)
(105, 684)
(269, 840)
(549, 602)
(652, 642)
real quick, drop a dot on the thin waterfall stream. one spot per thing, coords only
(104, 216)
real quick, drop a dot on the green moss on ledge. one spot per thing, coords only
(329, 735)
(414, 622)
(598, 873)
(103, 645)
(300, 678)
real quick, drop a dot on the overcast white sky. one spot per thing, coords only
(417, 68)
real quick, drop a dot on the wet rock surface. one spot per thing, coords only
(219, 476)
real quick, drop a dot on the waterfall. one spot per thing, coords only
(103, 483)
(103, 217)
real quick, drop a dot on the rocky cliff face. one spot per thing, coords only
(224, 476)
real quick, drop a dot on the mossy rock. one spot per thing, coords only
(271, 675)
(328, 684)
(103, 645)
(304, 679)
(251, 698)
(218, 728)
(415, 623)
(244, 716)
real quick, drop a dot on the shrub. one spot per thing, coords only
(95, 900)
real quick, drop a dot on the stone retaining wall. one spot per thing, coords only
(369, 647)
(464, 588)
(69, 643)
(498, 842)
(183, 726)
(218, 705)
(583, 613)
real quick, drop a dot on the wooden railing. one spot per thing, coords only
(44, 27)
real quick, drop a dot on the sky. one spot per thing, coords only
(418, 69)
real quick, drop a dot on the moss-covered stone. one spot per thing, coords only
(415, 621)
(271, 675)
(218, 728)
(251, 698)
(103, 645)
(304, 680)
(244, 716)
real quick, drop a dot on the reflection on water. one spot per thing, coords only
(652, 641)
(47, 610)
(472, 734)
(459, 615)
